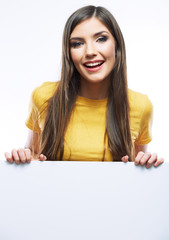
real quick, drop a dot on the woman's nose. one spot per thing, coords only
(91, 50)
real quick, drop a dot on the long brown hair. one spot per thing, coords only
(63, 101)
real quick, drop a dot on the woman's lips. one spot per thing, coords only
(93, 66)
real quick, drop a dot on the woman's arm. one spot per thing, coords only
(29, 153)
(142, 157)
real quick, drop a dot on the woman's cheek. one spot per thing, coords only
(76, 58)
(108, 50)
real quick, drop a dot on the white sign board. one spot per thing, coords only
(83, 201)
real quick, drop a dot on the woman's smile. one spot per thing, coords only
(94, 66)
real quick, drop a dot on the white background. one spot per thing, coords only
(30, 53)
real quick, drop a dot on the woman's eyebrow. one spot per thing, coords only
(76, 38)
(95, 35)
(99, 33)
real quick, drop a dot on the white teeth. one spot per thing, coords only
(93, 64)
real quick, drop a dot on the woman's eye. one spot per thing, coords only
(102, 39)
(76, 44)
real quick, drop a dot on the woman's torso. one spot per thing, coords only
(85, 138)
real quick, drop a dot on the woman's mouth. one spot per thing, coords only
(93, 66)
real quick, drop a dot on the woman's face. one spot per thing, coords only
(92, 49)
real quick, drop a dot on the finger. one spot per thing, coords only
(15, 156)
(42, 157)
(139, 157)
(28, 155)
(152, 160)
(145, 158)
(8, 157)
(21, 154)
(125, 158)
(158, 162)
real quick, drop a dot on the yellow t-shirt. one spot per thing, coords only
(84, 138)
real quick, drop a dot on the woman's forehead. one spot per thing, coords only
(89, 26)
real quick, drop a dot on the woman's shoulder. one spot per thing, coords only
(46, 89)
(140, 102)
(44, 92)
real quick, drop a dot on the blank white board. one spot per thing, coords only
(83, 201)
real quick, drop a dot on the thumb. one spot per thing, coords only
(125, 158)
(42, 157)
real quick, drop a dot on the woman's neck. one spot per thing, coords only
(94, 90)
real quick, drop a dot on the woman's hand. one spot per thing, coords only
(145, 158)
(148, 159)
(22, 155)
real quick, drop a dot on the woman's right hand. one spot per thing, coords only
(22, 155)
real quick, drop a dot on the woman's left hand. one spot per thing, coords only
(145, 158)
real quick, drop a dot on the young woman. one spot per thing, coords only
(90, 114)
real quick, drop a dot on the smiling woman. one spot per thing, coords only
(90, 114)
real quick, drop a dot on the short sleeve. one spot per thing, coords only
(32, 122)
(38, 106)
(145, 130)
